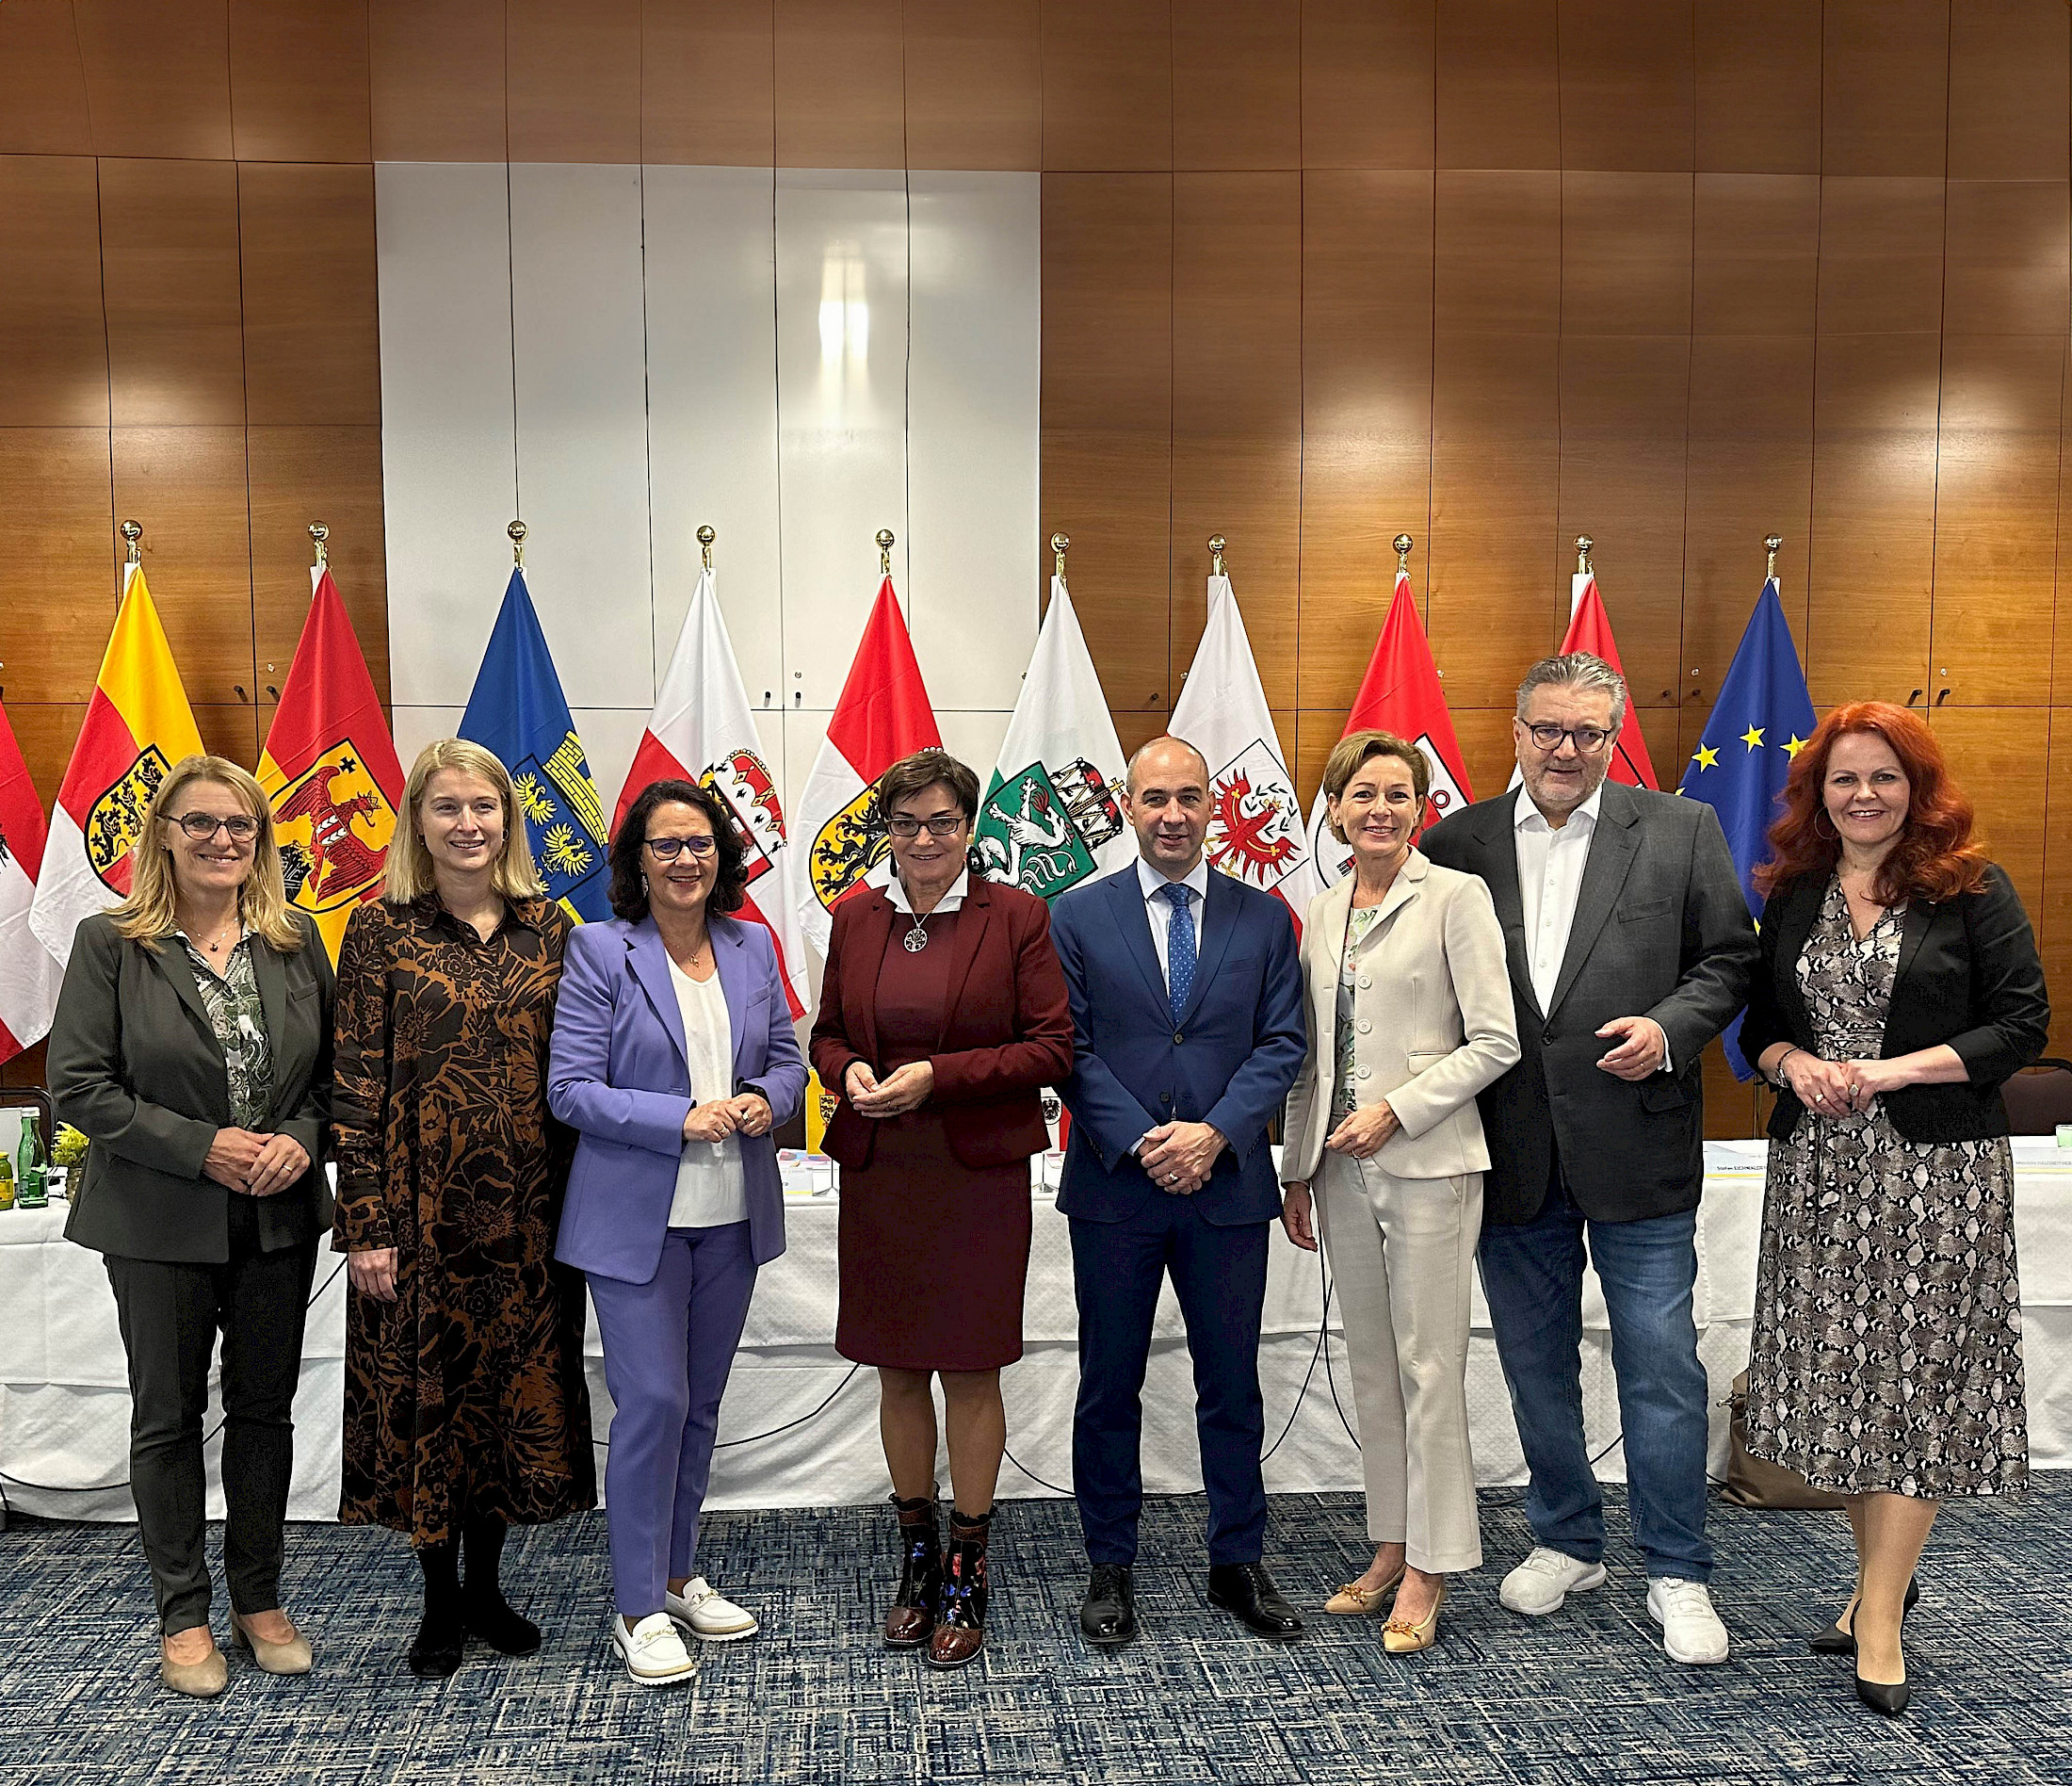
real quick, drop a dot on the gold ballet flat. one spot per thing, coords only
(1353, 1599)
(1399, 1637)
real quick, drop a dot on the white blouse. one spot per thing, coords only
(710, 1189)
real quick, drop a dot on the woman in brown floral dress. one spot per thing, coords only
(465, 1405)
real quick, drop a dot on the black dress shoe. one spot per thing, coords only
(1838, 1640)
(1890, 1700)
(1108, 1613)
(1248, 1590)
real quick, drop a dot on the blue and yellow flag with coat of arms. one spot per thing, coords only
(518, 711)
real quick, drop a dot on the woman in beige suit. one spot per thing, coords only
(1410, 1015)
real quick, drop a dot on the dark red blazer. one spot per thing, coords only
(1007, 1032)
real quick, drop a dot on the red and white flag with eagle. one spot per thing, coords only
(28, 976)
(1255, 831)
(703, 730)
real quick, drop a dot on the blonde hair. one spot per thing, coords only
(1356, 748)
(147, 914)
(409, 876)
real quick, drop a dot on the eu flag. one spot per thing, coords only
(1759, 723)
(518, 711)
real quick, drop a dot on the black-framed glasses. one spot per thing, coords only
(201, 826)
(669, 849)
(937, 827)
(1589, 740)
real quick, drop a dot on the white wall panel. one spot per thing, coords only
(976, 281)
(712, 406)
(582, 425)
(449, 483)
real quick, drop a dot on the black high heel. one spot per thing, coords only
(1838, 1640)
(1890, 1700)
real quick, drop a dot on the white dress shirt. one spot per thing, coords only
(711, 1190)
(1161, 908)
(897, 893)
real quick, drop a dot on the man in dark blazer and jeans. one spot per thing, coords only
(1187, 1012)
(1630, 948)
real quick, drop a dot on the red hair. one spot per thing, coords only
(1934, 858)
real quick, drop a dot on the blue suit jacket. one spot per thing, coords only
(617, 1074)
(1228, 1059)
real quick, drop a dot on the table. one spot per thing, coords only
(799, 1427)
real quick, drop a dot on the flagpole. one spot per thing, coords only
(517, 531)
(1060, 544)
(1770, 545)
(1402, 543)
(133, 532)
(318, 534)
(1583, 543)
(885, 539)
(706, 534)
(1216, 544)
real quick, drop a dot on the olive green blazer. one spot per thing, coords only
(134, 1064)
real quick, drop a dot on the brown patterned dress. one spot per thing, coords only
(466, 1394)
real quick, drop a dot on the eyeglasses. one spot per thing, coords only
(940, 827)
(201, 826)
(669, 849)
(1589, 740)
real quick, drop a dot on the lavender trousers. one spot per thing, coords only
(668, 1344)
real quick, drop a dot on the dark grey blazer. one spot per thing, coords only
(134, 1064)
(1661, 931)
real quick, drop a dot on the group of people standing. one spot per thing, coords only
(1483, 1050)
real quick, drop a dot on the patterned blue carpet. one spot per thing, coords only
(1586, 1696)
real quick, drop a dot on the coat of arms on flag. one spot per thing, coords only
(1445, 795)
(325, 859)
(749, 792)
(116, 820)
(1255, 822)
(564, 818)
(1041, 829)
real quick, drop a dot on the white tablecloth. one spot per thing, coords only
(799, 1427)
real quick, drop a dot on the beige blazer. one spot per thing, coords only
(1433, 1009)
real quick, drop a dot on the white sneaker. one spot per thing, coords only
(656, 1656)
(708, 1613)
(1691, 1631)
(1547, 1578)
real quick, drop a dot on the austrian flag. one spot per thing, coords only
(29, 977)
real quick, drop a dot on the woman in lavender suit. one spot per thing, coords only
(673, 1055)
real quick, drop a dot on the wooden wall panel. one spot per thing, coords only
(1369, 75)
(1107, 84)
(312, 338)
(2053, 915)
(436, 78)
(841, 92)
(708, 82)
(1237, 84)
(2061, 662)
(974, 84)
(1627, 99)
(57, 566)
(1881, 256)
(53, 370)
(1884, 86)
(2001, 756)
(157, 77)
(575, 80)
(298, 80)
(42, 84)
(1499, 99)
(1626, 253)
(1754, 254)
(1756, 85)
(2010, 89)
(2008, 257)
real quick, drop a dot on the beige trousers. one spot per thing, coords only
(1402, 1252)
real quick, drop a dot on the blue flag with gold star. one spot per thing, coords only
(518, 711)
(1761, 721)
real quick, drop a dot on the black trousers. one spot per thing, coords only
(171, 1315)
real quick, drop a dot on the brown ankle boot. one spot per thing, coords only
(960, 1627)
(912, 1615)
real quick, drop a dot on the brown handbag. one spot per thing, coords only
(1755, 1482)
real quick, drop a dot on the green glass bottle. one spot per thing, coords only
(29, 1187)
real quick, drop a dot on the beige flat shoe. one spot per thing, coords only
(202, 1679)
(1353, 1599)
(291, 1658)
(1399, 1637)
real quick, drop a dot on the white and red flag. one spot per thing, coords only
(703, 730)
(1590, 630)
(1399, 693)
(1255, 831)
(883, 714)
(28, 976)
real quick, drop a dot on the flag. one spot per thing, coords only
(28, 976)
(518, 712)
(1254, 822)
(137, 726)
(702, 730)
(883, 714)
(329, 770)
(1399, 693)
(1590, 630)
(1761, 721)
(1052, 814)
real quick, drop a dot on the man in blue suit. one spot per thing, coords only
(1187, 1007)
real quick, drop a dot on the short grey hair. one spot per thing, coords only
(1130, 771)
(1575, 669)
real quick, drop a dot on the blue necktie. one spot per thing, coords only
(1179, 946)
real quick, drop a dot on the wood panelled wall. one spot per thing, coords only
(1494, 272)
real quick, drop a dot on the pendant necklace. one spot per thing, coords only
(916, 936)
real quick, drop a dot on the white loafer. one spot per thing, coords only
(656, 1656)
(1547, 1578)
(1691, 1631)
(708, 1613)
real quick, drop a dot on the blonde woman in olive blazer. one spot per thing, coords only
(1408, 999)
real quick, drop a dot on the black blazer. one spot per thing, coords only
(1968, 975)
(134, 1064)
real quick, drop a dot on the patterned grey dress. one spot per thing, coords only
(1887, 1355)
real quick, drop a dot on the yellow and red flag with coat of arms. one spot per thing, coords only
(331, 771)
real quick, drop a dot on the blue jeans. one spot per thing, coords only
(1532, 1276)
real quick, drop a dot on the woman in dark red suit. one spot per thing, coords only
(942, 1015)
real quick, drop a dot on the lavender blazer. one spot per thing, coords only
(618, 1075)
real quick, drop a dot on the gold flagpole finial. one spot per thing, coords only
(318, 534)
(1060, 544)
(133, 532)
(517, 531)
(1402, 544)
(706, 534)
(1583, 543)
(884, 551)
(1772, 545)
(1216, 544)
